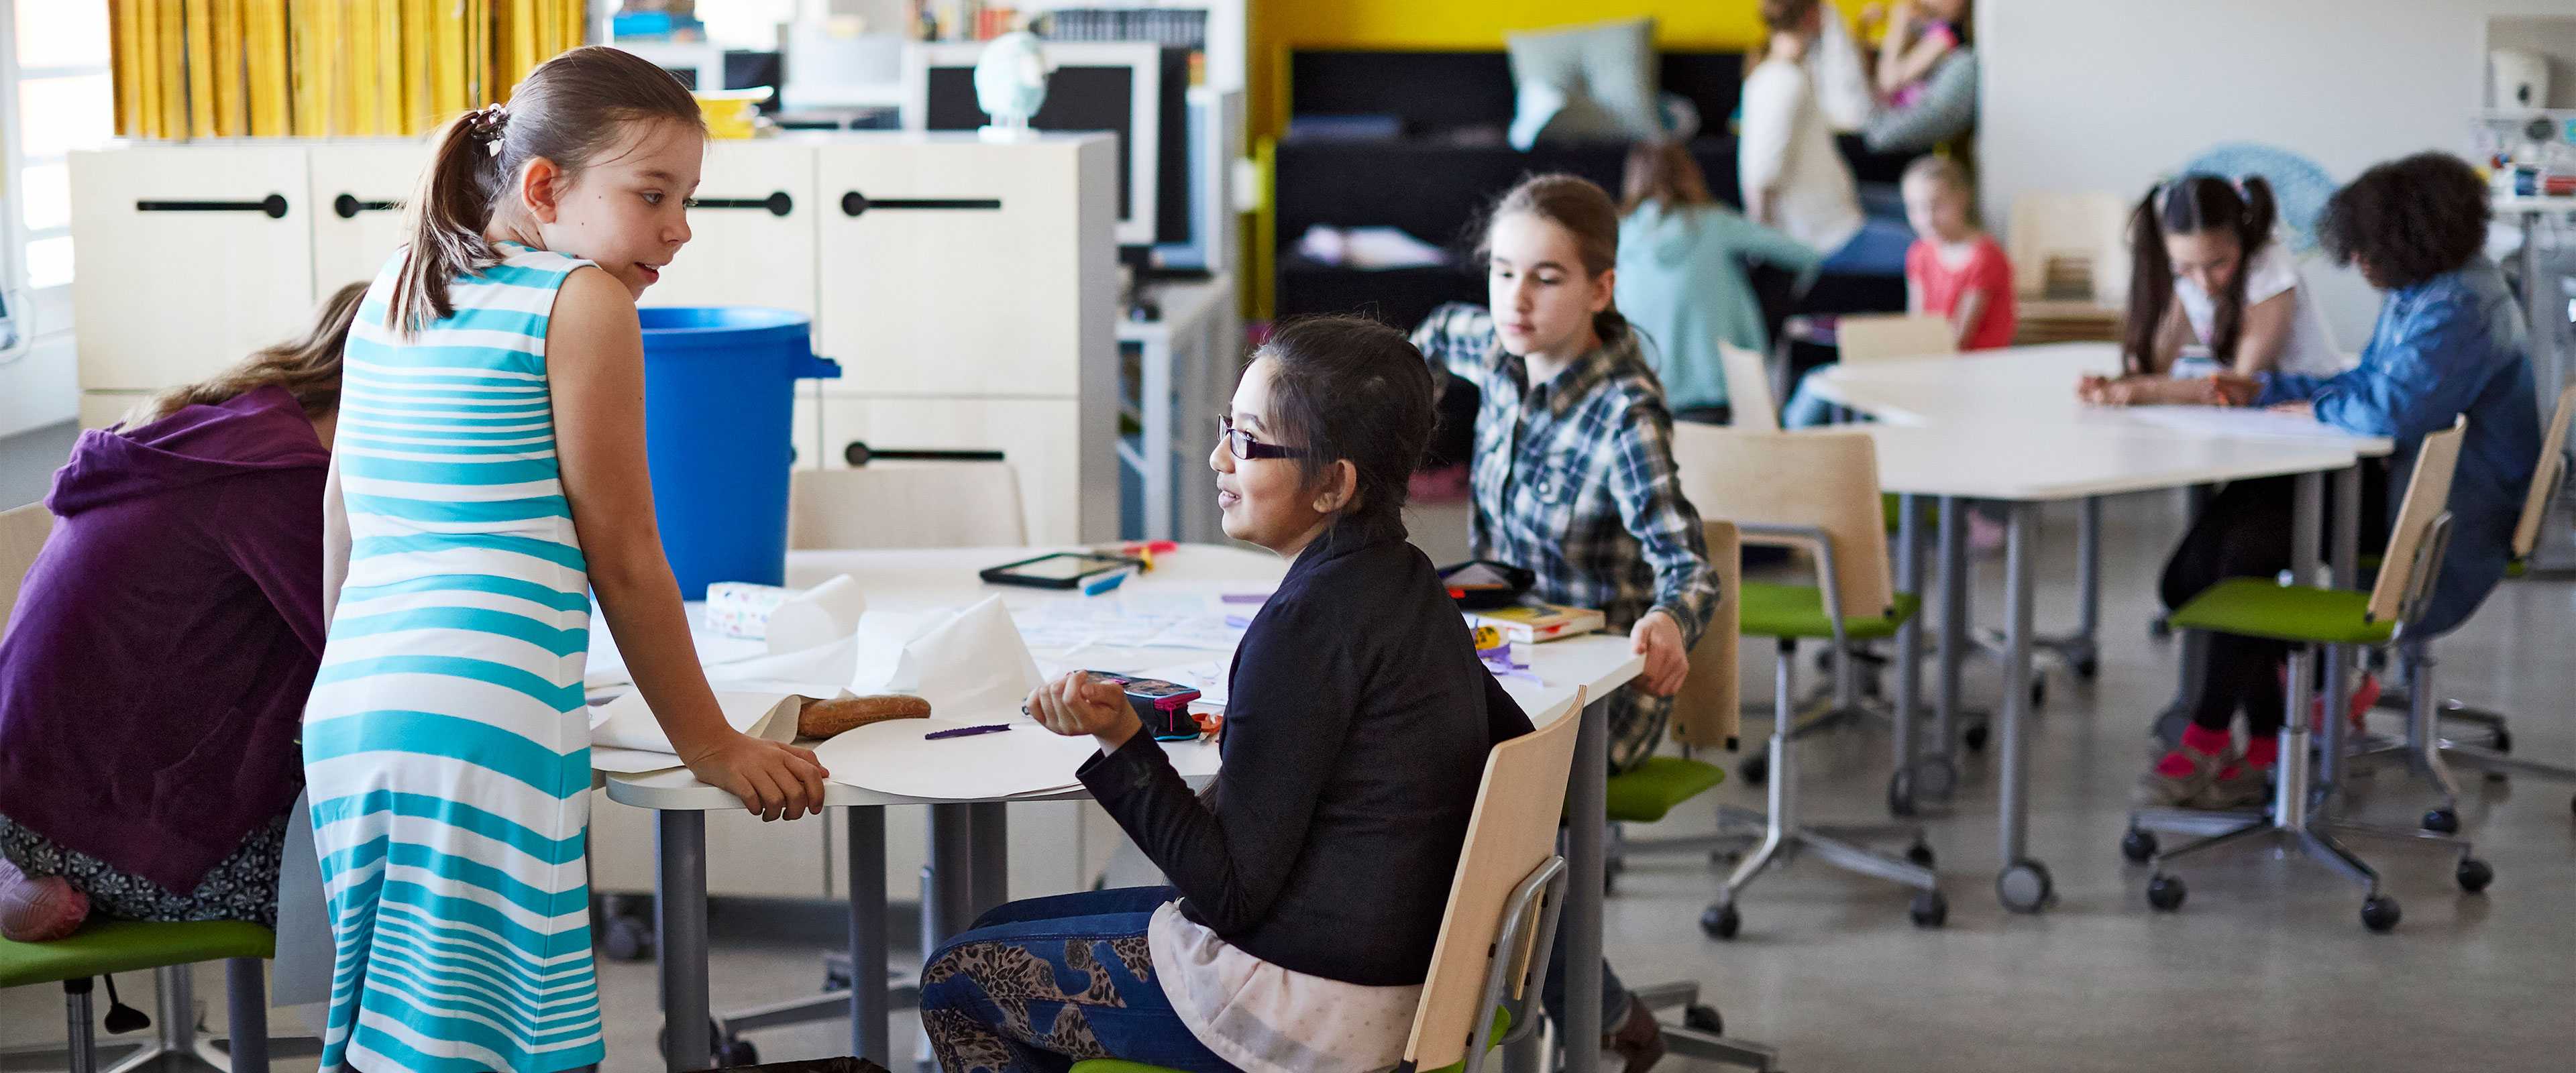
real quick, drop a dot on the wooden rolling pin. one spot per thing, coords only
(825, 718)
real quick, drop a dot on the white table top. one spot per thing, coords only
(2531, 204)
(920, 580)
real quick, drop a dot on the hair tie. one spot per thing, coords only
(486, 123)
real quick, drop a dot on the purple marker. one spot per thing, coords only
(1245, 598)
(961, 732)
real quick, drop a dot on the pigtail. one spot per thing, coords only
(445, 222)
(2150, 282)
(2256, 213)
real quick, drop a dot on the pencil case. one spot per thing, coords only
(1164, 706)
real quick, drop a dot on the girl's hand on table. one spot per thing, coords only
(1659, 639)
(774, 781)
(2105, 391)
(2234, 389)
(1075, 705)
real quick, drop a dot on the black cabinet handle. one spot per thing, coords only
(854, 203)
(778, 204)
(274, 205)
(858, 453)
(347, 206)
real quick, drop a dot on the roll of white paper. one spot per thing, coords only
(818, 616)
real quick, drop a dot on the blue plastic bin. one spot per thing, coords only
(719, 402)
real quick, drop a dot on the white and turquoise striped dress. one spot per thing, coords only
(446, 744)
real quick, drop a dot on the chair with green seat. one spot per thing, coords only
(104, 947)
(1504, 899)
(1816, 491)
(2424, 733)
(2310, 618)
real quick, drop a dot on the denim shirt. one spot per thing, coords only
(2451, 345)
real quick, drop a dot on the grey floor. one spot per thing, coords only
(2266, 968)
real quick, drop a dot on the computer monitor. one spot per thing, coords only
(1133, 90)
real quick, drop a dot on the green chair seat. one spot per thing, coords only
(1891, 506)
(115, 946)
(2256, 607)
(1799, 611)
(1502, 1024)
(1646, 794)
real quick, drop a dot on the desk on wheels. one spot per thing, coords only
(967, 851)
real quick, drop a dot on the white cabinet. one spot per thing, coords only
(950, 264)
(1060, 487)
(752, 236)
(358, 191)
(191, 256)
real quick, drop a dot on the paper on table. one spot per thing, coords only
(628, 723)
(895, 758)
(606, 668)
(818, 616)
(2237, 421)
(630, 761)
(972, 667)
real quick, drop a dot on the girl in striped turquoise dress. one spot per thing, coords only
(489, 478)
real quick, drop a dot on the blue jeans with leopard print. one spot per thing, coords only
(1037, 985)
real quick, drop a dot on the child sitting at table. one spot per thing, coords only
(2210, 270)
(1309, 883)
(2449, 342)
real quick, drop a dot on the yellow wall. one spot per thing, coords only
(1280, 25)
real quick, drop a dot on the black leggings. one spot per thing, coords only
(2245, 532)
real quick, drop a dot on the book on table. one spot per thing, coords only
(1531, 621)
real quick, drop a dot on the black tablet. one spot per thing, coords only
(1060, 570)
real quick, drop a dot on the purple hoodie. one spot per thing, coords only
(153, 684)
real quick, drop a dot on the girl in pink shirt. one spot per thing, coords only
(1954, 269)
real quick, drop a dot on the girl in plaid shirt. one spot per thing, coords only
(1573, 477)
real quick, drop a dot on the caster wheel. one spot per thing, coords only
(2159, 629)
(2088, 667)
(1755, 768)
(1720, 921)
(2166, 893)
(1703, 1019)
(2474, 875)
(2038, 693)
(2138, 846)
(2380, 913)
(2503, 742)
(2025, 887)
(1900, 794)
(2442, 821)
(738, 1052)
(629, 939)
(1936, 777)
(1920, 853)
(1975, 737)
(1930, 909)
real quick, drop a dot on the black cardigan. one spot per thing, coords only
(1355, 735)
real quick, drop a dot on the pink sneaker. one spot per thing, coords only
(38, 910)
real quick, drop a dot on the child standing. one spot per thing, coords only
(489, 477)
(1574, 477)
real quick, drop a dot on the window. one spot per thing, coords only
(56, 96)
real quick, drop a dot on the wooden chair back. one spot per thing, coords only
(1819, 479)
(2428, 497)
(1707, 713)
(1511, 834)
(906, 505)
(2076, 239)
(1748, 388)
(22, 534)
(2546, 478)
(1891, 336)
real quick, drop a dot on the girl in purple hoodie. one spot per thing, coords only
(153, 677)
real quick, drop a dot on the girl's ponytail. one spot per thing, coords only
(2245, 207)
(2150, 283)
(446, 218)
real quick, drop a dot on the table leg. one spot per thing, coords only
(870, 1036)
(992, 826)
(680, 895)
(1587, 805)
(2346, 561)
(1909, 655)
(1157, 407)
(246, 1021)
(2024, 884)
(951, 897)
(1954, 623)
(2088, 577)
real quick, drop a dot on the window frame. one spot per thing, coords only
(47, 310)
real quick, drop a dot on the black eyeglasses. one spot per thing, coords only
(1246, 447)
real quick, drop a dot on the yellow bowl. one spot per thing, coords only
(732, 113)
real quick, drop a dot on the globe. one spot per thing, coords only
(2298, 183)
(1011, 83)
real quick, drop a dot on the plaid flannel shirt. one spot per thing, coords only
(1574, 481)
